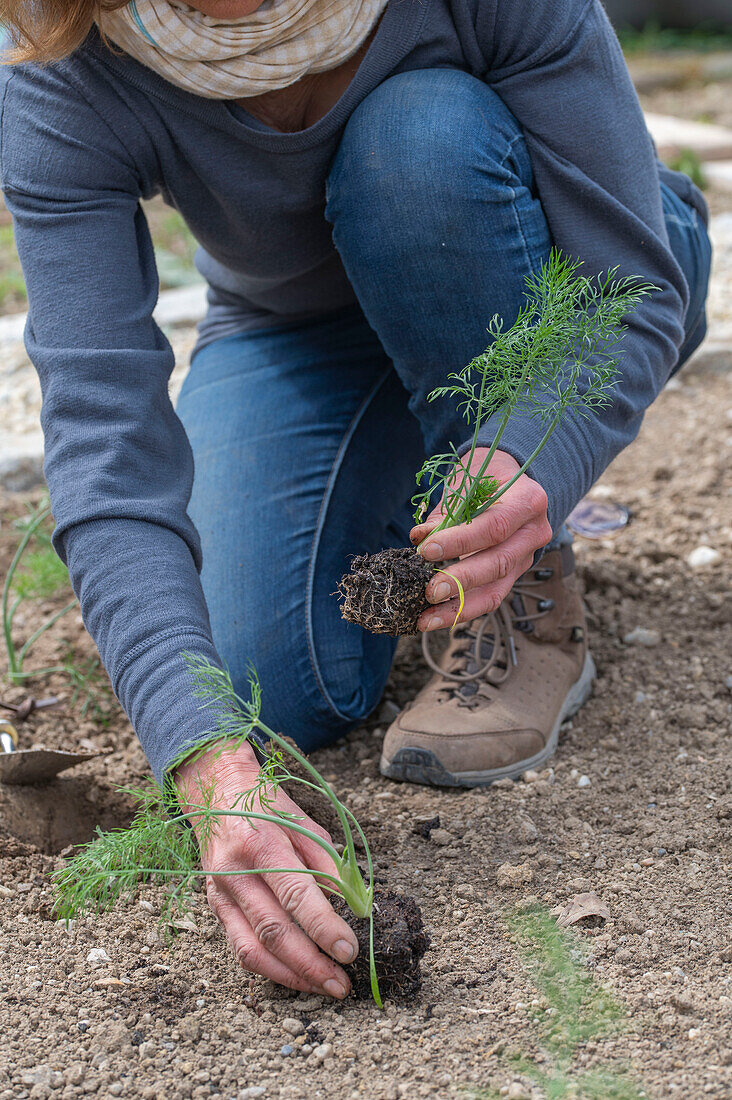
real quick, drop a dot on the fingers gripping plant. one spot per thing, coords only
(159, 845)
(559, 358)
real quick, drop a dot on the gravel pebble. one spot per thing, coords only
(293, 1026)
(322, 1051)
(97, 957)
(703, 556)
(512, 875)
(640, 635)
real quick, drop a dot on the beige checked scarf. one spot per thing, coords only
(271, 48)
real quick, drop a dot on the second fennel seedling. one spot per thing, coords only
(559, 358)
(160, 845)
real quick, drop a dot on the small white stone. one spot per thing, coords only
(640, 635)
(293, 1026)
(702, 556)
(97, 957)
(146, 905)
(252, 1092)
(322, 1051)
(584, 781)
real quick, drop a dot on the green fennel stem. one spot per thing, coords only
(42, 630)
(325, 787)
(163, 872)
(13, 667)
(16, 657)
(448, 522)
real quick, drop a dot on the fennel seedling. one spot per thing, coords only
(159, 845)
(558, 358)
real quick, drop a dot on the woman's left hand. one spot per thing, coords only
(496, 548)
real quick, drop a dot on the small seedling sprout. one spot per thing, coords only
(572, 1008)
(90, 689)
(558, 358)
(31, 575)
(159, 844)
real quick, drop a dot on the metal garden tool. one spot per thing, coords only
(28, 706)
(26, 766)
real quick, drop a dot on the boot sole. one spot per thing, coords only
(422, 766)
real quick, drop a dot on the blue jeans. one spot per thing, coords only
(305, 440)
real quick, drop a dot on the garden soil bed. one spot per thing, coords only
(648, 830)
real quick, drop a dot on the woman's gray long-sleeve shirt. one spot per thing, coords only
(82, 140)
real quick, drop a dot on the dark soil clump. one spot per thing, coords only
(384, 592)
(400, 941)
(425, 828)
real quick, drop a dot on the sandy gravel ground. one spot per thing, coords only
(637, 807)
(648, 830)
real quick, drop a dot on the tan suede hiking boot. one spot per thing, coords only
(501, 689)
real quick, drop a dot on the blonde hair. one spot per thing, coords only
(47, 30)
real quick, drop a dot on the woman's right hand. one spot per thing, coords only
(275, 923)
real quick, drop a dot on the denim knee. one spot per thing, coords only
(692, 249)
(417, 145)
(313, 703)
(291, 702)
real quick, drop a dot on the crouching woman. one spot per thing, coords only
(370, 181)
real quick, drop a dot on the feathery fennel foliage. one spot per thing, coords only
(160, 845)
(558, 358)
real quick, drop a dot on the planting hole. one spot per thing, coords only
(52, 816)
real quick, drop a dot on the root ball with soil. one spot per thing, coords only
(384, 592)
(400, 942)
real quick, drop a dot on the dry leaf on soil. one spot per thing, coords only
(579, 908)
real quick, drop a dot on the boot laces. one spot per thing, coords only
(485, 650)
